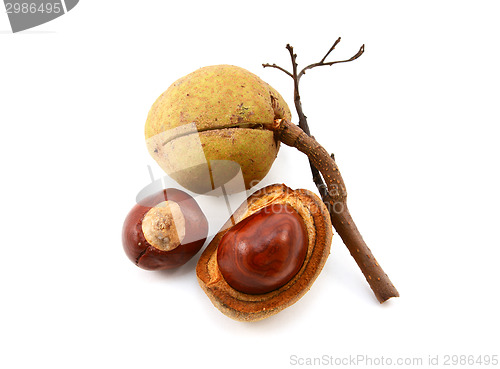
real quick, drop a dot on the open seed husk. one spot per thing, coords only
(247, 307)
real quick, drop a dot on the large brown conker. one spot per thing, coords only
(263, 251)
(248, 300)
(164, 230)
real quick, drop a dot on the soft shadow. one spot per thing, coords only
(188, 268)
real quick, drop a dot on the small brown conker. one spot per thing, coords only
(164, 230)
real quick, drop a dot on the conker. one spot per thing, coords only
(164, 230)
(263, 251)
(268, 254)
(210, 124)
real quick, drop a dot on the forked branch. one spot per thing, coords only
(321, 63)
(333, 193)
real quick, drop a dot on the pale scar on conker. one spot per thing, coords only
(164, 230)
(212, 123)
(270, 257)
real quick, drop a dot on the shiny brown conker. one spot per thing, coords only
(264, 251)
(254, 223)
(164, 230)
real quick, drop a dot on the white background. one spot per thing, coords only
(414, 127)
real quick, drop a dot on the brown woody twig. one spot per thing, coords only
(333, 193)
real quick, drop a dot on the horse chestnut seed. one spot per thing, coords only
(268, 254)
(164, 230)
(264, 251)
